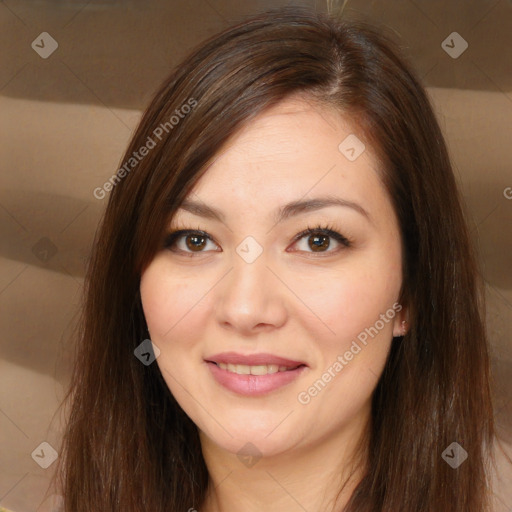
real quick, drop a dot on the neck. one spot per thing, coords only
(308, 477)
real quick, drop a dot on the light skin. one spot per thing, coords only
(291, 301)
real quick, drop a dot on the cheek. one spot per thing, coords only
(170, 306)
(348, 301)
(357, 307)
(168, 302)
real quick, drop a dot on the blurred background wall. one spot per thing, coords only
(74, 78)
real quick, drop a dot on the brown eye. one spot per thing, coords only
(318, 243)
(195, 242)
(319, 240)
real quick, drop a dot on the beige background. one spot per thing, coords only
(65, 122)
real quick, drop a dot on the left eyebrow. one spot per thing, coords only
(317, 203)
(285, 212)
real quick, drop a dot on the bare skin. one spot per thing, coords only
(293, 300)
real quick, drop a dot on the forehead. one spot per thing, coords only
(293, 150)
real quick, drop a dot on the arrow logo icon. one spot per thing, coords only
(249, 249)
(44, 249)
(44, 45)
(249, 455)
(454, 455)
(351, 147)
(146, 352)
(450, 454)
(44, 454)
(454, 45)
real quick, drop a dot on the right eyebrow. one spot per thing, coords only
(293, 208)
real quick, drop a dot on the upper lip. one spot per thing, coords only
(253, 359)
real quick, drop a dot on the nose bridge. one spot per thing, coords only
(249, 275)
(248, 296)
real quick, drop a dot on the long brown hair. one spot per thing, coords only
(128, 446)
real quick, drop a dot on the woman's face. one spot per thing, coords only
(248, 291)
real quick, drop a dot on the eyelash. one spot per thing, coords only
(327, 230)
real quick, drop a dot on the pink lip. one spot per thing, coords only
(253, 385)
(253, 360)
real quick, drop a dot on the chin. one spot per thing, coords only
(250, 441)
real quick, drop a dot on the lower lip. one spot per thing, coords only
(253, 385)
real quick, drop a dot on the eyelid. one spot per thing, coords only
(327, 230)
(175, 235)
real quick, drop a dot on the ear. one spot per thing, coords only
(401, 322)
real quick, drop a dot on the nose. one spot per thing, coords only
(250, 299)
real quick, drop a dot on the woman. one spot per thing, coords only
(287, 231)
